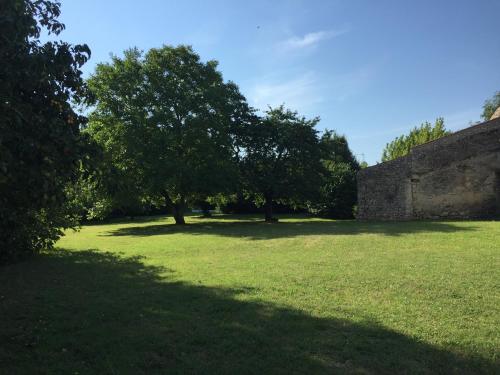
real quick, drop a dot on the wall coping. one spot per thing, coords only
(471, 130)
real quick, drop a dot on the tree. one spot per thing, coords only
(402, 145)
(281, 159)
(337, 194)
(41, 147)
(106, 191)
(490, 106)
(168, 123)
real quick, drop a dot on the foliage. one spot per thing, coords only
(338, 191)
(168, 123)
(41, 147)
(281, 159)
(241, 203)
(402, 145)
(88, 199)
(490, 106)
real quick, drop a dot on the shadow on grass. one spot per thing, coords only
(259, 230)
(96, 313)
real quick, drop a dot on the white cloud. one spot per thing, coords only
(300, 93)
(311, 39)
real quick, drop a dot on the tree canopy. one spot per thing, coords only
(490, 106)
(168, 122)
(337, 193)
(41, 147)
(402, 145)
(281, 158)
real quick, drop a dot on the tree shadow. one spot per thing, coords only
(259, 230)
(99, 313)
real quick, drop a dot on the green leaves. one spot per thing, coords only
(337, 192)
(281, 157)
(402, 145)
(490, 106)
(40, 144)
(168, 121)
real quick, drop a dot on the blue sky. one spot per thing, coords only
(370, 69)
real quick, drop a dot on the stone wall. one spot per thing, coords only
(384, 191)
(457, 176)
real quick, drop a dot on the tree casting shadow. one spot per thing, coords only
(90, 312)
(259, 230)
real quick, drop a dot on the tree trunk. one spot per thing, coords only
(177, 208)
(179, 213)
(268, 209)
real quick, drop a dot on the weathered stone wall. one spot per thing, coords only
(457, 176)
(384, 191)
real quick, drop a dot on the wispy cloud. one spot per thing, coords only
(310, 39)
(350, 84)
(303, 92)
(300, 93)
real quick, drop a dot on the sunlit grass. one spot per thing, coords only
(234, 294)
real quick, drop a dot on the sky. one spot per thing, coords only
(371, 70)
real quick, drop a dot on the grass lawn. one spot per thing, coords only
(235, 295)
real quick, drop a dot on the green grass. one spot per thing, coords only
(235, 295)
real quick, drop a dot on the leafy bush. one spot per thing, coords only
(338, 192)
(41, 148)
(402, 145)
